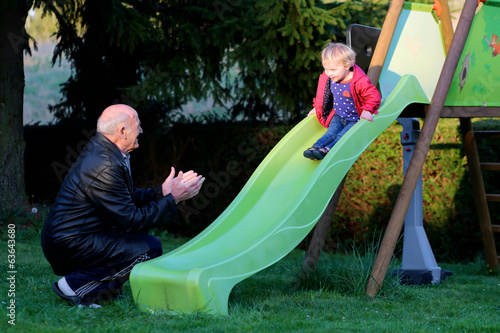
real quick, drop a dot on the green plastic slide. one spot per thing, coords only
(275, 210)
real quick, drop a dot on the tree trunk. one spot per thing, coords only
(13, 42)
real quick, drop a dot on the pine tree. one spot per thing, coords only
(259, 57)
(279, 60)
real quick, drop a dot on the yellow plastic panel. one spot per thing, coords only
(416, 48)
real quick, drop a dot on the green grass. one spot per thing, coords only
(328, 300)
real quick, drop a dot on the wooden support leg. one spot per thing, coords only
(446, 25)
(320, 233)
(384, 40)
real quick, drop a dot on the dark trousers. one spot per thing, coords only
(105, 283)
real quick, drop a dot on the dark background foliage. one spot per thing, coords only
(258, 60)
(228, 153)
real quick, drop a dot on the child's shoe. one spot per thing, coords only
(309, 153)
(320, 153)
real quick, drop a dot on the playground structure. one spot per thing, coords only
(287, 194)
(452, 99)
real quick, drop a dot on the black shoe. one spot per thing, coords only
(320, 153)
(309, 153)
(73, 300)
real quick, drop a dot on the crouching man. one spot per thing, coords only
(96, 230)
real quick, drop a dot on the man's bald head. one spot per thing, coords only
(114, 117)
(121, 125)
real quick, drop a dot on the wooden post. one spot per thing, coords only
(321, 233)
(419, 155)
(479, 193)
(446, 25)
(384, 40)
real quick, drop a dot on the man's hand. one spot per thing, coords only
(366, 115)
(184, 186)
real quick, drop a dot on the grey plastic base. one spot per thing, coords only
(419, 277)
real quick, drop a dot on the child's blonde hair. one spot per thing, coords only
(339, 53)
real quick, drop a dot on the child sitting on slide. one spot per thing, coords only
(344, 95)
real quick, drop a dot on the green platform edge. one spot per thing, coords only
(275, 210)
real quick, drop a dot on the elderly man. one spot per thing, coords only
(97, 228)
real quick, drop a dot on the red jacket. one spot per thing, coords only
(365, 95)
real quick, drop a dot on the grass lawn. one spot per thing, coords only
(330, 300)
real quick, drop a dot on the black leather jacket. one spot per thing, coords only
(97, 212)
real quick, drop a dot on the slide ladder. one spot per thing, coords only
(475, 90)
(481, 197)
